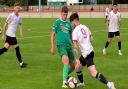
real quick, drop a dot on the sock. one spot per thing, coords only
(107, 43)
(101, 78)
(80, 76)
(119, 45)
(3, 50)
(65, 72)
(70, 69)
(109, 84)
(18, 55)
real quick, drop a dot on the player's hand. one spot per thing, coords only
(3, 37)
(52, 51)
(78, 62)
(21, 35)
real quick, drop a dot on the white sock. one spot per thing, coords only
(120, 51)
(109, 84)
(21, 63)
(64, 82)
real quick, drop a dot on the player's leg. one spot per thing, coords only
(74, 63)
(18, 55)
(94, 73)
(117, 34)
(80, 64)
(66, 68)
(110, 36)
(5, 48)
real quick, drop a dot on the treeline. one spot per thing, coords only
(44, 2)
(114, 1)
(22, 2)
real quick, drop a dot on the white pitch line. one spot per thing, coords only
(37, 31)
(34, 37)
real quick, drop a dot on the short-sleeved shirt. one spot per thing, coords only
(82, 35)
(13, 21)
(63, 32)
(114, 21)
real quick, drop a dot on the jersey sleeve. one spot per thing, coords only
(71, 30)
(8, 20)
(89, 32)
(74, 35)
(119, 17)
(20, 21)
(54, 27)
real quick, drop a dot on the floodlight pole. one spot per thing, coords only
(39, 5)
(112, 2)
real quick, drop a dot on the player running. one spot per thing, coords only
(82, 37)
(62, 30)
(11, 24)
(113, 26)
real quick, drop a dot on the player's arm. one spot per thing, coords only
(119, 21)
(107, 24)
(21, 29)
(75, 47)
(52, 42)
(4, 30)
(107, 21)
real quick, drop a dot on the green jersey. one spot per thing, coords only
(63, 32)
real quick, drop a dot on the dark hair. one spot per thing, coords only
(65, 9)
(114, 4)
(74, 16)
(16, 4)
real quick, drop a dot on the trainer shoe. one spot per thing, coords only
(112, 86)
(23, 65)
(80, 84)
(120, 53)
(104, 51)
(65, 85)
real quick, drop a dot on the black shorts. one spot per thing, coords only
(112, 34)
(88, 60)
(11, 40)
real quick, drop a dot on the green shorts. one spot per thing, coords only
(66, 50)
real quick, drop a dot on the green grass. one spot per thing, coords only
(45, 71)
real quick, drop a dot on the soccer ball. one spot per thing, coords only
(72, 82)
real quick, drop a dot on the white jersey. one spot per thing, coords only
(82, 35)
(13, 22)
(107, 12)
(114, 21)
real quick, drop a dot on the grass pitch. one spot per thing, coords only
(45, 71)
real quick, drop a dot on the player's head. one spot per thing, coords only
(115, 8)
(17, 9)
(74, 19)
(64, 12)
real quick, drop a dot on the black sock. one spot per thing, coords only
(3, 50)
(18, 54)
(80, 76)
(101, 78)
(119, 45)
(107, 43)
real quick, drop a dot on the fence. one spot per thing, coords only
(54, 11)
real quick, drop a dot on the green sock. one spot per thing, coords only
(70, 69)
(65, 72)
